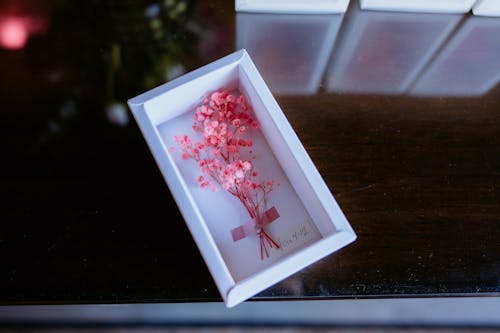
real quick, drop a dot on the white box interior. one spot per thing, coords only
(310, 226)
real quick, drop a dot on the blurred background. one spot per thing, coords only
(87, 217)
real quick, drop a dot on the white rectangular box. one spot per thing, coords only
(487, 8)
(268, 37)
(384, 52)
(468, 65)
(292, 6)
(311, 224)
(429, 6)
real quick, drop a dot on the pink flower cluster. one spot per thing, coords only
(223, 152)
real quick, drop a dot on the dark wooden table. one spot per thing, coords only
(87, 218)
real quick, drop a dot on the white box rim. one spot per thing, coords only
(448, 6)
(292, 7)
(487, 8)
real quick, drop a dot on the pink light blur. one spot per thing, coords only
(13, 33)
(15, 30)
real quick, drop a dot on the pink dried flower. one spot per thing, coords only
(223, 121)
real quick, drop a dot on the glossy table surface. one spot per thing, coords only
(400, 113)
